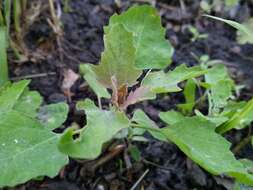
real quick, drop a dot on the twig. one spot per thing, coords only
(139, 180)
(116, 151)
(155, 165)
(32, 76)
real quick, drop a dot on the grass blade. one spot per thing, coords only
(3, 57)
(234, 24)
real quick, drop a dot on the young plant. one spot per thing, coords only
(130, 67)
(134, 41)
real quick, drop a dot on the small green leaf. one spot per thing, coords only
(91, 78)
(152, 49)
(239, 120)
(189, 95)
(221, 86)
(143, 120)
(135, 153)
(101, 127)
(241, 37)
(197, 139)
(53, 116)
(160, 82)
(118, 59)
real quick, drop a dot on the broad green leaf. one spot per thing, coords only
(189, 95)
(240, 119)
(245, 30)
(197, 138)
(221, 86)
(171, 117)
(27, 148)
(242, 38)
(217, 120)
(101, 127)
(28, 103)
(160, 82)
(91, 78)
(143, 120)
(11, 94)
(53, 116)
(152, 49)
(118, 59)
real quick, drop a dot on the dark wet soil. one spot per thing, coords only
(166, 166)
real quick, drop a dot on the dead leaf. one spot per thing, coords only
(70, 77)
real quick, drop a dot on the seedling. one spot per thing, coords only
(130, 71)
(134, 41)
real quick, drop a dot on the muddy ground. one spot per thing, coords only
(166, 166)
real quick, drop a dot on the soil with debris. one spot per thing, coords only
(163, 165)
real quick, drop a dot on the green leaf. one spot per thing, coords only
(28, 103)
(10, 97)
(189, 95)
(96, 132)
(171, 117)
(91, 78)
(221, 86)
(239, 120)
(196, 137)
(53, 116)
(152, 49)
(241, 37)
(135, 153)
(118, 59)
(27, 148)
(160, 82)
(143, 120)
(245, 30)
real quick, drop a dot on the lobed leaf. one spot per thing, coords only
(160, 82)
(152, 49)
(101, 127)
(118, 59)
(27, 148)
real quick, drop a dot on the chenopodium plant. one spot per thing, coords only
(28, 147)
(134, 42)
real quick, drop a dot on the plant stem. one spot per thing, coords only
(3, 57)
(243, 143)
